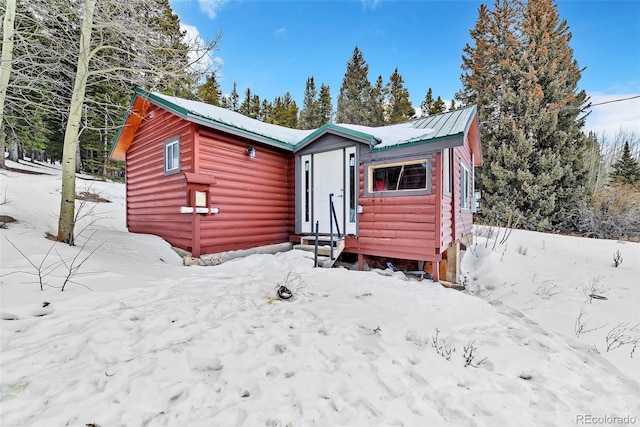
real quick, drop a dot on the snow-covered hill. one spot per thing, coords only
(138, 339)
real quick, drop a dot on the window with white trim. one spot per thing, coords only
(172, 155)
(465, 187)
(447, 169)
(398, 177)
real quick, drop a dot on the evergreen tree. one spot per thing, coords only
(354, 100)
(521, 74)
(284, 112)
(378, 100)
(325, 107)
(427, 104)
(254, 107)
(398, 107)
(626, 169)
(210, 92)
(233, 102)
(438, 106)
(310, 114)
(265, 110)
(245, 106)
(452, 106)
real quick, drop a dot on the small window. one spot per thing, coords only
(352, 188)
(447, 169)
(172, 155)
(307, 191)
(465, 188)
(399, 177)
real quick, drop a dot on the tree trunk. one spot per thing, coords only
(14, 153)
(5, 67)
(66, 221)
(105, 151)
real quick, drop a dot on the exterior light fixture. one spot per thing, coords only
(251, 152)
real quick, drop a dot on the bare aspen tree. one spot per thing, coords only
(72, 132)
(79, 61)
(5, 66)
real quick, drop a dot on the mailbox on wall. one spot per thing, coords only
(199, 194)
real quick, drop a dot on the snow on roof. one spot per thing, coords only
(392, 135)
(236, 120)
(384, 137)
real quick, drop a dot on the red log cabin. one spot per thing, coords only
(210, 180)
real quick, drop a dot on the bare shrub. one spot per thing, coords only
(441, 348)
(469, 354)
(617, 259)
(613, 212)
(43, 269)
(595, 290)
(581, 326)
(522, 250)
(547, 290)
(623, 334)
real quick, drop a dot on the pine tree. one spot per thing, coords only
(427, 104)
(378, 100)
(354, 100)
(452, 106)
(210, 92)
(245, 106)
(233, 102)
(309, 115)
(438, 106)
(265, 110)
(284, 112)
(522, 76)
(254, 107)
(398, 108)
(627, 169)
(325, 107)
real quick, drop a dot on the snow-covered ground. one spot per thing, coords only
(138, 339)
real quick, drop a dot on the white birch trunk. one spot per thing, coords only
(5, 67)
(66, 222)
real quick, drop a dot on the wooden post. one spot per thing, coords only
(435, 273)
(453, 263)
(360, 262)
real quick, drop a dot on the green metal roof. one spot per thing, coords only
(429, 129)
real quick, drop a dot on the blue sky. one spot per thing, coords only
(273, 46)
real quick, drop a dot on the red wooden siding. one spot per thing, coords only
(291, 182)
(396, 227)
(153, 198)
(463, 217)
(253, 195)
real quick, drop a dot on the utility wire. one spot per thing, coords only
(615, 100)
(562, 109)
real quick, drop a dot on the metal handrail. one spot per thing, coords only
(332, 217)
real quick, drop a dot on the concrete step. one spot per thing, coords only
(324, 250)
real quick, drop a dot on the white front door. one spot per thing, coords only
(328, 178)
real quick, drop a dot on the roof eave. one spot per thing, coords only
(124, 136)
(330, 128)
(459, 136)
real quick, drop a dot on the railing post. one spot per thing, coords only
(315, 261)
(331, 225)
